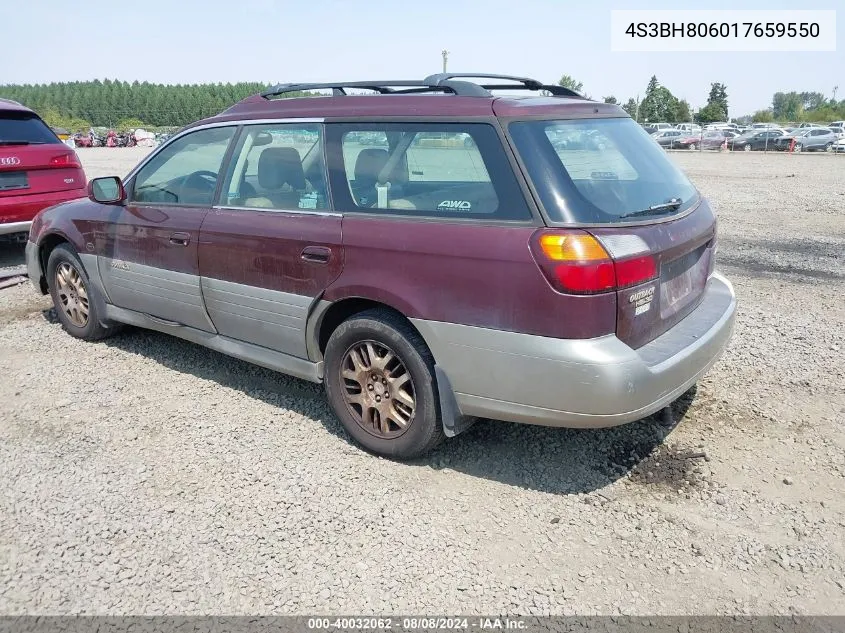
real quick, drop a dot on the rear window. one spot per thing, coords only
(599, 171)
(452, 170)
(25, 128)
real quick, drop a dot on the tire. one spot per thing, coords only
(828, 147)
(83, 321)
(798, 148)
(693, 146)
(382, 331)
(747, 148)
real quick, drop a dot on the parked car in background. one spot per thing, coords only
(839, 146)
(691, 128)
(668, 138)
(808, 139)
(651, 128)
(37, 169)
(756, 140)
(591, 303)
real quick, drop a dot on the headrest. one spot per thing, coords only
(278, 166)
(369, 163)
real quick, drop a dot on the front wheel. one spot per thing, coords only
(747, 148)
(72, 295)
(379, 378)
(797, 148)
(828, 147)
(693, 146)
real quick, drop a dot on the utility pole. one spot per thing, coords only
(445, 54)
(835, 88)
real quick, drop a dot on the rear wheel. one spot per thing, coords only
(828, 147)
(379, 378)
(693, 146)
(797, 147)
(71, 292)
(747, 148)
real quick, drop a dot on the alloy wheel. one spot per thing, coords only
(73, 296)
(378, 389)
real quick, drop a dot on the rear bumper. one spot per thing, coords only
(596, 382)
(17, 212)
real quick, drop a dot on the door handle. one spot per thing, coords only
(316, 254)
(180, 239)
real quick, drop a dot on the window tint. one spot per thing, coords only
(278, 166)
(24, 127)
(185, 171)
(599, 170)
(428, 169)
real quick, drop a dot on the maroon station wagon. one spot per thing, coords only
(432, 252)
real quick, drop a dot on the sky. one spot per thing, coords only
(194, 41)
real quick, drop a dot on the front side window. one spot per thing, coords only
(278, 166)
(455, 170)
(184, 172)
(598, 171)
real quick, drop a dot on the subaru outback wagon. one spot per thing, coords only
(431, 251)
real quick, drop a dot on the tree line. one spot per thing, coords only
(660, 105)
(79, 105)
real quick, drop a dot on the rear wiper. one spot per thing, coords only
(654, 209)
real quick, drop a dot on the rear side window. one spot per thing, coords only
(24, 128)
(597, 171)
(457, 170)
(278, 166)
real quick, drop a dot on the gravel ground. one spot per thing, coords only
(143, 474)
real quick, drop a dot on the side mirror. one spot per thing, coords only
(108, 190)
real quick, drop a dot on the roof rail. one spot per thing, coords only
(339, 88)
(528, 83)
(441, 82)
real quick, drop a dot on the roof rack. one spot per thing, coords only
(441, 82)
(528, 83)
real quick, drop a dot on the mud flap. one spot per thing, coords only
(454, 422)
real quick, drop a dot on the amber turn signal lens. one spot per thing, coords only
(568, 248)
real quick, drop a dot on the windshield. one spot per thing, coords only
(599, 170)
(24, 128)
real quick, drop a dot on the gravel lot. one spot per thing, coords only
(143, 474)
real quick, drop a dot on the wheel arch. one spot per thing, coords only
(47, 245)
(326, 316)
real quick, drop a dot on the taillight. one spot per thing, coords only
(68, 159)
(576, 262)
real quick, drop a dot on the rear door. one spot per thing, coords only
(271, 246)
(148, 250)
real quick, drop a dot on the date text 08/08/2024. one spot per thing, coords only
(417, 623)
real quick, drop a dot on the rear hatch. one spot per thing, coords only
(32, 158)
(615, 183)
(683, 252)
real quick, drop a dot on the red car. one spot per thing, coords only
(432, 253)
(37, 170)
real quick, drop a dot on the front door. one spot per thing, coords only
(148, 256)
(271, 246)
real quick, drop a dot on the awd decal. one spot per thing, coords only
(119, 264)
(448, 205)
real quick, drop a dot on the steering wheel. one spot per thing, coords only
(204, 179)
(198, 184)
